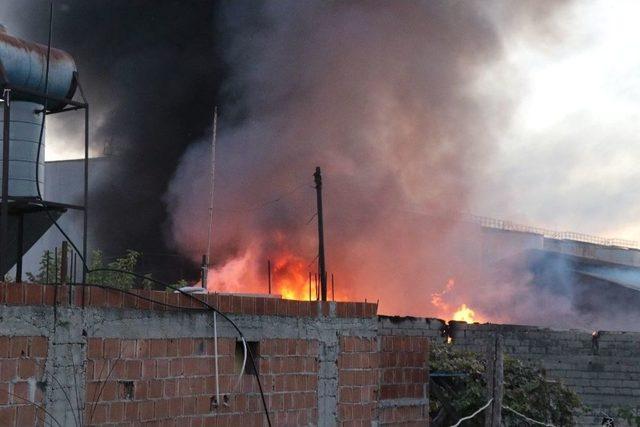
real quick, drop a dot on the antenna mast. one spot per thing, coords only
(207, 258)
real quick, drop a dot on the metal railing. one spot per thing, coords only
(500, 224)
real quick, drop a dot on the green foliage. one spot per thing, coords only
(630, 415)
(526, 390)
(128, 262)
(47, 268)
(180, 284)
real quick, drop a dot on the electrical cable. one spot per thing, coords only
(527, 418)
(474, 414)
(265, 203)
(244, 363)
(210, 307)
(215, 355)
(84, 262)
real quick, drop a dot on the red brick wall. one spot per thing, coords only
(404, 372)
(33, 294)
(358, 378)
(403, 366)
(173, 380)
(22, 361)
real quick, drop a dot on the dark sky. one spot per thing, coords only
(151, 71)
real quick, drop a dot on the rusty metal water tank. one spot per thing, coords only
(23, 66)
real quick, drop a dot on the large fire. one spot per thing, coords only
(291, 277)
(463, 313)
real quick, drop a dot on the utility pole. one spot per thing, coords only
(4, 214)
(495, 382)
(321, 264)
(206, 259)
(269, 274)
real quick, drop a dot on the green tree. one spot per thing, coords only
(127, 263)
(526, 390)
(47, 268)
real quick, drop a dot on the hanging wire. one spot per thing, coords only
(527, 418)
(474, 414)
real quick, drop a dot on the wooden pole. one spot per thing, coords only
(333, 293)
(322, 272)
(269, 274)
(495, 382)
(64, 252)
(48, 255)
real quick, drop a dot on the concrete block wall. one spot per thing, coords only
(112, 359)
(604, 371)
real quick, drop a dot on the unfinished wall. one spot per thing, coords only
(604, 372)
(107, 358)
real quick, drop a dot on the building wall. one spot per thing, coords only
(64, 183)
(112, 359)
(604, 372)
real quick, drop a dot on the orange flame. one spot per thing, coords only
(446, 311)
(465, 314)
(290, 279)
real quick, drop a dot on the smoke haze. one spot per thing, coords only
(382, 96)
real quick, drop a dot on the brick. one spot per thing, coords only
(172, 347)
(189, 405)
(15, 294)
(33, 294)
(62, 295)
(19, 347)
(158, 348)
(185, 347)
(143, 350)
(172, 299)
(94, 348)
(26, 415)
(199, 347)
(143, 303)
(116, 412)
(21, 390)
(341, 309)
(236, 304)
(26, 368)
(175, 407)
(224, 303)
(146, 411)
(203, 404)
(148, 368)
(270, 306)
(108, 391)
(161, 298)
(133, 369)
(38, 347)
(7, 415)
(162, 368)
(111, 348)
(131, 410)
(248, 305)
(176, 367)
(155, 389)
(114, 299)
